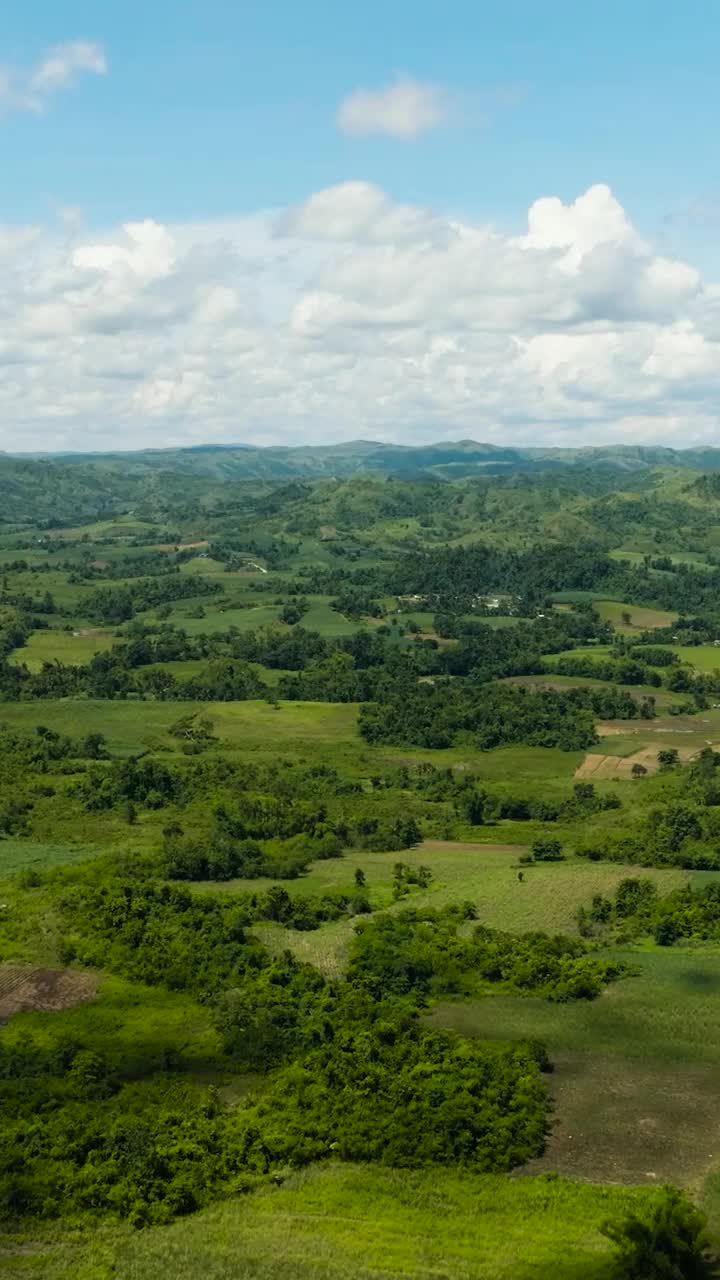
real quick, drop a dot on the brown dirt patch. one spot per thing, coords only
(467, 846)
(596, 765)
(629, 1122)
(42, 990)
(180, 546)
(661, 724)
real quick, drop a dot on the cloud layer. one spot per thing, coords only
(355, 316)
(31, 88)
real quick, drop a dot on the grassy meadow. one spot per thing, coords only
(359, 1222)
(69, 647)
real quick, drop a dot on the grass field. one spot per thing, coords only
(596, 653)
(635, 1082)
(20, 855)
(70, 648)
(130, 725)
(216, 619)
(703, 657)
(357, 1222)
(662, 698)
(641, 619)
(362, 1223)
(131, 1025)
(487, 875)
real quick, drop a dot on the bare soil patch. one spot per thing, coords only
(597, 765)
(42, 990)
(661, 724)
(467, 846)
(180, 546)
(644, 1122)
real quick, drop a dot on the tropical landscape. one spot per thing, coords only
(359, 640)
(360, 855)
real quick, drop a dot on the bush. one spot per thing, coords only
(671, 1244)
(545, 849)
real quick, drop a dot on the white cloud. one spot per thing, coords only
(357, 211)
(350, 316)
(31, 88)
(403, 109)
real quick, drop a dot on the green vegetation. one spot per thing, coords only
(359, 830)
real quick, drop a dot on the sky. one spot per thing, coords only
(296, 222)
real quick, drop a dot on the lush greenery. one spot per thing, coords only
(332, 800)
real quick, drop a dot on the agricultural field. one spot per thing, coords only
(703, 657)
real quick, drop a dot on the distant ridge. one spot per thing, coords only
(75, 488)
(245, 461)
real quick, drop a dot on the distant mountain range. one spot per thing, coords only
(454, 459)
(75, 488)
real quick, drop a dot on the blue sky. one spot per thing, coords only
(215, 107)
(218, 113)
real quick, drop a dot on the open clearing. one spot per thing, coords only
(661, 697)
(641, 619)
(703, 657)
(69, 647)
(129, 726)
(635, 1088)
(42, 990)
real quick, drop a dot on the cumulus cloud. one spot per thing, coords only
(31, 88)
(403, 109)
(352, 315)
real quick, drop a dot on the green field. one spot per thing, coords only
(547, 898)
(69, 647)
(635, 1082)
(131, 725)
(641, 619)
(596, 653)
(703, 657)
(132, 1025)
(355, 1222)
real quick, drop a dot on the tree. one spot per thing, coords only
(666, 933)
(670, 1244)
(359, 878)
(638, 770)
(94, 747)
(290, 614)
(667, 757)
(626, 618)
(545, 849)
(474, 808)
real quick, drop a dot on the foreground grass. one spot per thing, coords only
(346, 1222)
